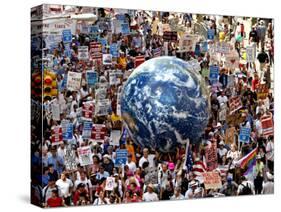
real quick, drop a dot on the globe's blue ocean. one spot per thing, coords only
(164, 103)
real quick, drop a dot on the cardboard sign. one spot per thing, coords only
(102, 107)
(214, 74)
(66, 36)
(56, 138)
(83, 53)
(229, 135)
(139, 60)
(98, 132)
(87, 129)
(211, 156)
(85, 155)
(107, 59)
(234, 104)
(262, 91)
(170, 36)
(96, 51)
(115, 137)
(70, 159)
(109, 184)
(212, 180)
(245, 134)
(267, 125)
(55, 111)
(121, 157)
(251, 53)
(91, 77)
(73, 81)
(88, 109)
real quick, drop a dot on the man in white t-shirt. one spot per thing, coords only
(131, 164)
(85, 181)
(150, 195)
(65, 185)
(147, 158)
(222, 99)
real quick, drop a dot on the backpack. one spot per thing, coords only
(246, 190)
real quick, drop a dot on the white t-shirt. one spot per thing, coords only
(222, 99)
(132, 166)
(86, 182)
(149, 159)
(64, 186)
(222, 152)
(148, 197)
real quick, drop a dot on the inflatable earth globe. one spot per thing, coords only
(164, 104)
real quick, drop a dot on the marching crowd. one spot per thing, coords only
(147, 174)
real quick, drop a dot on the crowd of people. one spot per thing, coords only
(147, 174)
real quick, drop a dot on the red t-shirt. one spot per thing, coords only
(54, 202)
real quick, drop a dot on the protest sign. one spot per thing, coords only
(222, 113)
(234, 104)
(107, 59)
(109, 184)
(211, 156)
(96, 51)
(188, 42)
(114, 50)
(212, 180)
(125, 28)
(214, 74)
(98, 132)
(222, 47)
(56, 135)
(115, 137)
(267, 125)
(55, 111)
(121, 157)
(156, 52)
(262, 91)
(73, 81)
(87, 129)
(151, 175)
(67, 131)
(70, 159)
(102, 107)
(83, 53)
(100, 94)
(210, 34)
(170, 36)
(251, 53)
(103, 42)
(66, 36)
(112, 79)
(88, 109)
(204, 46)
(194, 65)
(244, 135)
(232, 60)
(139, 60)
(85, 155)
(229, 135)
(91, 77)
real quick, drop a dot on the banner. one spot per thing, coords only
(234, 104)
(102, 107)
(85, 155)
(98, 132)
(55, 111)
(214, 74)
(107, 59)
(121, 157)
(66, 36)
(267, 125)
(70, 159)
(229, 135)
(262, 91)
(87, 129)
(251, 53)
(244, 135)
(109, 184)
(92, 78)
(170, 36)
(212, 180)
(211, 156)
(73, 81)
(139, 60)
(56, 135)
(115, 137)
(83, 53)
(88, 109)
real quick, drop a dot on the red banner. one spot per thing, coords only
(267, 125)
(139, 60)
(56, 137)
(88, 110)
(98, 132)
(211, 156)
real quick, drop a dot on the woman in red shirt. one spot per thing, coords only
(55, 200)
(255, 82)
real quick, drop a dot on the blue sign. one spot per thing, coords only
(121, 157)
(68, 134)
(124, 136)
(214, 74)
(204, 46)
(197, 49)
(244, 135)
(125, 29)
(94, 29)
(103, 42)
(87, 129)
(66, 36)
(210, 34)
(92, 77)
(120, 17)
(114, 50)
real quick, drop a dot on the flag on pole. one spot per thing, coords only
(248, 160)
